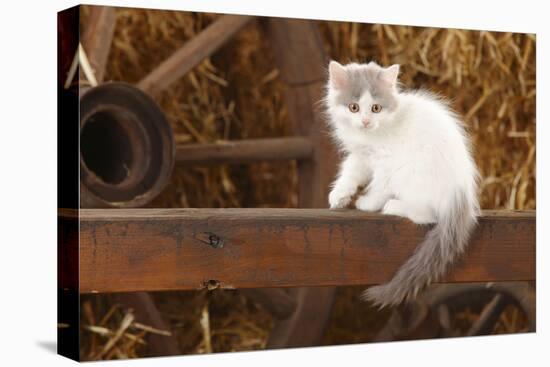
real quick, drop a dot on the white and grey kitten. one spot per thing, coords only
(412, 154)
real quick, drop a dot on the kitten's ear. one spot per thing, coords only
(389, 75)
(337, 74)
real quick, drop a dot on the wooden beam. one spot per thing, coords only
(244, 151)
(124, 250)
(193, 52)
(98, 36)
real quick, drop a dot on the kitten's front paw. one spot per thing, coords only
(368, 204)
(338, 199)
(394, 207)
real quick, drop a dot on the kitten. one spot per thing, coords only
(413, 155)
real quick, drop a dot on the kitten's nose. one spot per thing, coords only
(365, 122)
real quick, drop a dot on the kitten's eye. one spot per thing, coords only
(376, 108)
(353, 107)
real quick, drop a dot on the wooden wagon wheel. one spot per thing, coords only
(429, 316)
(301, 313)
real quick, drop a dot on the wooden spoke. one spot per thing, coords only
(245, 151)
(306, 325)
(299, 55)
(410, 321)
(193, 52)
(160, 249)
(489, 316)
(97, 38)
(146, 312)
(300, 58)
(279, 302)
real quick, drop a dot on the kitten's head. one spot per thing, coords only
(363, 96)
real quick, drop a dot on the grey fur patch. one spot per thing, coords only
(363, 78)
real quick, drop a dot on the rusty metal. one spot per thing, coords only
(127, 147)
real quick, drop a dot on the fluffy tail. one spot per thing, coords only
(441, 246)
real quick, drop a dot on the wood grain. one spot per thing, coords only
(164, 249)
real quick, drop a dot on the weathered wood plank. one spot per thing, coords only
(245, 151)
(163, 249)
(193, 52)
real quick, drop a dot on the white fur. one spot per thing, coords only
(418, 155)
(412, 158)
